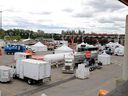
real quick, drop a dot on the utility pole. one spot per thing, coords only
(0, 20)
(125, 64)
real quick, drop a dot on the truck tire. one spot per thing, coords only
(91, 69)
(29, 81)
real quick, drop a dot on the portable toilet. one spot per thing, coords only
(6, 73)
(82, 72)
(104, 58)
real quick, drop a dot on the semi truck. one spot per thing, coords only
(71, 61)
(32, 71)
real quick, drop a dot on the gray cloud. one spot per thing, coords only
(46, 13)
(10, 10)
(41, 13)
(69, 10)
(103, 5)
(103, 20)
(44, 20)
(118, 19)
(111, 19)
(83, 15)
(24, 23)
(120, 24)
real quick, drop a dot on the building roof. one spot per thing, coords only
(124, 1)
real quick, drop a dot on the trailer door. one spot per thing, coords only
(21, 71)
(41, 71)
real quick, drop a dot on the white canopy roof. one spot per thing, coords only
(63, 48)
(39, 44)
(39, 47)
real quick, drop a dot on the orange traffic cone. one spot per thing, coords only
(102, 92)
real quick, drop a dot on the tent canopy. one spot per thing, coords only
(39, 47)
(39, 44)
(64, 48)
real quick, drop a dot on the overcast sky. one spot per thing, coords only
(106, 16)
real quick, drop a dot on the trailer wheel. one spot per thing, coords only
(29, 81)
(14, 76)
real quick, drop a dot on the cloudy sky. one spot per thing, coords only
(106, 16)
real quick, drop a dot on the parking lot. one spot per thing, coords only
(69, 86)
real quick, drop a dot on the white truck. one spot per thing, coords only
(6, 74)
(72, 60)
(33, 71)
(21, 55)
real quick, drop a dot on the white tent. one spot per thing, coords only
(39, 47)
(2, 43)
(63, 49)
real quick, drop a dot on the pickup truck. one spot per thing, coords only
(11, 49)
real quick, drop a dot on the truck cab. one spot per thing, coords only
(69, 64)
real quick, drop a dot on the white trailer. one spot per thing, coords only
(55, 59)
(6, 73)
(21, 55)
(33, 70)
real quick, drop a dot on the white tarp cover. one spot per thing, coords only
(86, 44)
(113, 45)
(63, 49)
(119, 51)
(39, 47)
(104, 58)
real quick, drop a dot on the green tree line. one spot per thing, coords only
(17, 34)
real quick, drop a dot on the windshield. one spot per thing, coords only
(70, 61)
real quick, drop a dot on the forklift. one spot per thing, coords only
(91, 62)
